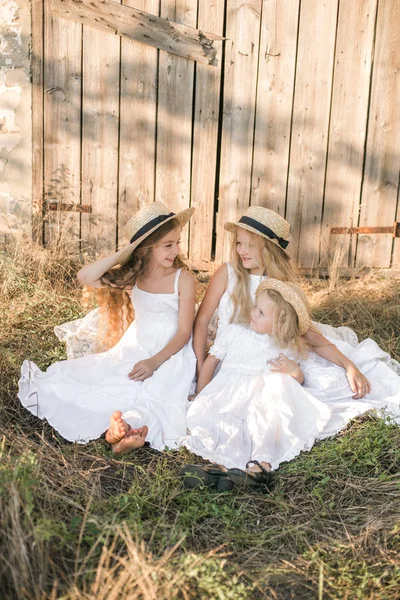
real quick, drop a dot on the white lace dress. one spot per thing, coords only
(248, 413)
(78, 396)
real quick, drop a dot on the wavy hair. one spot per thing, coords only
(274, 262)
(116, 309)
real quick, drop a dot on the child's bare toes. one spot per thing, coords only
(118, 428)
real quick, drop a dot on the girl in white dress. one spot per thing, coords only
(259, 242)
(273, 397)
(147, 374)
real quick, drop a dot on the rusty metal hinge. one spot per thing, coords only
(394, 229)
(61, 206)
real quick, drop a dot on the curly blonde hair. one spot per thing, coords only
(285, 328)
(116, 310)
(275, 263)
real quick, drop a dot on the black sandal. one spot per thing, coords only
(206, 476)
(255, 480)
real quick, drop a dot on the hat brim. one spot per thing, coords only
(231, 227)
(183, 217)
(294, 295)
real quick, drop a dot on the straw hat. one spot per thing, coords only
(145, 221)
(264, 222)
(292, 294)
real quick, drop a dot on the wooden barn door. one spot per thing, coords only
(298, 111)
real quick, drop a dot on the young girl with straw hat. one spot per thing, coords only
(258, 250)
(273, 397)
(148, 297)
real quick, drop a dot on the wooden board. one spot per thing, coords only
(382, 160)
(275, 88)
(205, 135)
(37, 121)
(352, 73)
(174, 119)
(137, 123)
(241, 59)
(101, 59)
(62, 147)
(137, 25)
(310, 128)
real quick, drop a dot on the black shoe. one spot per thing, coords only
(254, 480)
(203, 475)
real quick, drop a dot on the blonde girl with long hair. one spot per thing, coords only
(258, 250)
(273, 396)
(137, 388)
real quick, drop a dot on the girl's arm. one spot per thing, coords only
(207, 372)
(359, 384)
(283, 364)
(90, 274)
(215, 290)
(187, 297)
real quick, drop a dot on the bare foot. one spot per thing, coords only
(134, 439)
(118, 428)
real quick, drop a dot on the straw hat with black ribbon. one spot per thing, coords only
(147, 220)
(264, 222)
(294, 296)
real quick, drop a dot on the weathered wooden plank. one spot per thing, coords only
(174, 123)
(349, 117)
(241, 58)
(396, 243)
(137, 123)
(62, 147)
(37, 121)
(137, 25)
(275, 88)
(205, 135)
(101, 60)
(382, 161)
(310, 128)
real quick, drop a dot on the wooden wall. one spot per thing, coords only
(301, 114)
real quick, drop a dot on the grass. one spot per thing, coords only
(78, 524)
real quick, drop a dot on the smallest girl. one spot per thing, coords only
(259, 408)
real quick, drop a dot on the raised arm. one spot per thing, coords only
(90, 274)
(359, 384)
(215, 290)
(187, 298)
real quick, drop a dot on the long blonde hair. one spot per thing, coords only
(285, 327)
(275, 263)
(116, 310)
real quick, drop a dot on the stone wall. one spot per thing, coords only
(15, 116)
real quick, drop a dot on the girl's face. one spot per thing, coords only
(166, 249)
(248, 251)
(262, 315)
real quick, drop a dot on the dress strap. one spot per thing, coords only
(176, 280)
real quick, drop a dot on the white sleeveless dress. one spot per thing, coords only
(249, 413)
(78, 396)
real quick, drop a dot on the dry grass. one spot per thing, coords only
(77, 524)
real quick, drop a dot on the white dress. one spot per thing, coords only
(78, 396)
(249, 413)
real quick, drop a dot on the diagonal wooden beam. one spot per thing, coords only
(140, 26)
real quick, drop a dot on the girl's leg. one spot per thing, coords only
(118, 428)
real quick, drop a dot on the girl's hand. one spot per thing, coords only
(283, 364)
(359, 384)
(143, 369)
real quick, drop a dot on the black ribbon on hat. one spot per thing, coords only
(156, 221)
(263, 229)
